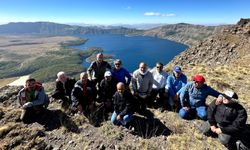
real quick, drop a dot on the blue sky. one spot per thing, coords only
(125, 11)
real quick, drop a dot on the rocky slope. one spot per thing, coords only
(60, 130)
(231, 46)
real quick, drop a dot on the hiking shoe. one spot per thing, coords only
(241, 146)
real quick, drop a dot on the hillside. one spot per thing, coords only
(222, 58)
(50, 28)
(42, 57)
(184, 33)
(232, 46)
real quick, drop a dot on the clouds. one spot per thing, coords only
(159, 14)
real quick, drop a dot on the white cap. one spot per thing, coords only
(231, 94)
(107, 74)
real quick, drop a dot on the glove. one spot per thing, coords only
(28, 104)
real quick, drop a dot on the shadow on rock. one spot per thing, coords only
(53, 119)
(149, 127)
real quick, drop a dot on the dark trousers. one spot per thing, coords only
(227, 140)
(31, 114)
(161, 101)
(66, 100)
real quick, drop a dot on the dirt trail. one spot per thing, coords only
(20, 81)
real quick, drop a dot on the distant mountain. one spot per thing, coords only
(49, 28)
(231, 46)
(183, 32)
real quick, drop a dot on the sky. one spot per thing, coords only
(109, 12)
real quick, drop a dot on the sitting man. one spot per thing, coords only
(107, 90)
(175, 82)
(123, 100)
(193, 98)
(64, 86)
(83, 95)
(226, 119)
(33, 100)
(159, 83)
(142, 82)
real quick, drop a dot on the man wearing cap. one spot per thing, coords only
(107, 90)
(226, 119)
(193, 98)
(175, 82)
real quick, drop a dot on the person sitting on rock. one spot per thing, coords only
(97, 69)
(64, 86)
(175, 82)
(123, 111)
(33, 100)
(193, 98)
(83, 95)
(159, 83)
(226, 119)
(120, 73)
(107, 90)
(142, 82)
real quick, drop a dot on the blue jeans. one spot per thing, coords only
(201, 112)
(127, 118)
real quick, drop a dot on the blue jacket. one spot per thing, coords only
(196, 97)
(175, 84)
(120, 75)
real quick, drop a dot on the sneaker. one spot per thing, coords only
(241, 146)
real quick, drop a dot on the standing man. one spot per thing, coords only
(175, 82)
(159, 83)
(120, 73)
(142, 82)
(33, 100)
(97, 69)
(193, 98)
(226, 119)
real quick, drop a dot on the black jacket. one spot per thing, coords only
(77, 94)
(107, 89)
(63, 90)
(123, 104)
(231, 118)
(99, 69)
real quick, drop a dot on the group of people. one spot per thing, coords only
(123, 95)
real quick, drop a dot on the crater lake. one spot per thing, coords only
(133, 49)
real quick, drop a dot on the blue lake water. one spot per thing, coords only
(134, 49)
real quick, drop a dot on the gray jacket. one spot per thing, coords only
(40, 97)
(142, 83)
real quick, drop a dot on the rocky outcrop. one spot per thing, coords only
(230, 46)
(8, 94)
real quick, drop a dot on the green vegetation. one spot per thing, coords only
(46, 60)
(73, 43)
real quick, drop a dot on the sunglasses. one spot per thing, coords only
(158, 66)
(117, 64)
